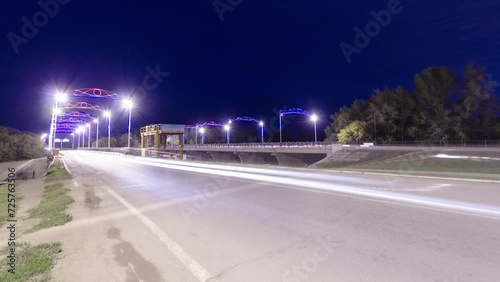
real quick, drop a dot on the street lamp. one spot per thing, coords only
(227, 128)
(202, 131)
(196, 141)
(314, 118)
(88, 126)
(108, 115)
(79, 131)
(59, 97)
(82, 128)
(262, 131)
(129, 105)
(73, 144)
(96, 121)
(281, 116)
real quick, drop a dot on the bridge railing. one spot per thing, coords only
(261, 145)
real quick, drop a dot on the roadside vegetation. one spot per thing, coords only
(19, 145)
(34, 263)
(55, 200)
(57, 172)
(442, 106)
(4, 204)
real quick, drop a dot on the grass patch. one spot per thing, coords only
(422, 162)
(57, 172)
(4, 202)
(52, 207)
(34, 263)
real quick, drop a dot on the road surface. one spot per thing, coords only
(186, 221)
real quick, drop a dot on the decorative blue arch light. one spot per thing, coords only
(243, 118)
(292, 111)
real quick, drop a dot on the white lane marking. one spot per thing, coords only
(187, 260)
(132, 186)
(472, 209)
(65, 166)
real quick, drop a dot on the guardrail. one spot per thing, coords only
(260, 145)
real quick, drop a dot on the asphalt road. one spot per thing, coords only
(208, 222)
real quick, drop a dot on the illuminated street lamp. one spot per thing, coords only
(196, 141)
(314, 118)
(108, 115)
(79, 131)
(128, 104)
(82, 128)
(96, 121)
(88, 126)
(59, 97)
(261, 131)
(202, 131)
(227, 128)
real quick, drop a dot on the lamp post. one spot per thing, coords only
(96, 121)
(83, 136)
(202, 131)
(227, 128)
(79, 131)
(281, 138)
(88, 126)
(196, 141)
(261, 131)
(129, 105)
(73, 144)
(60, 97)
(108, 115)
(314, 118)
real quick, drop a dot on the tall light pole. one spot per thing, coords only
(108, 115)
(227, 128)
(90, 141)
(73, 144)
(228, 134)
(96, 121)
(202, 131)
(60, 97)
(129, 105)
(314, 118)
(281, 138)
(261, 131)
(83, 136)
(79, 131)
(196, 135)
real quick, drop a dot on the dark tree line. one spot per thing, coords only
(19, 145)
(441, 107)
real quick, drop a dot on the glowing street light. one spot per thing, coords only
(108, 115)
(82, 129)
(128, 104)
(96, 121)
(314, 118)
(261, 131)
(88, 126)
(227, 128)
(202, 131)
(43, 136)
(59, 97)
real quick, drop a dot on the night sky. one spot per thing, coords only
(263, 55)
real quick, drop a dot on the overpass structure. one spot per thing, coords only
(288, 154)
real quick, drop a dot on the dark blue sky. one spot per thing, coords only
(263, 56)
